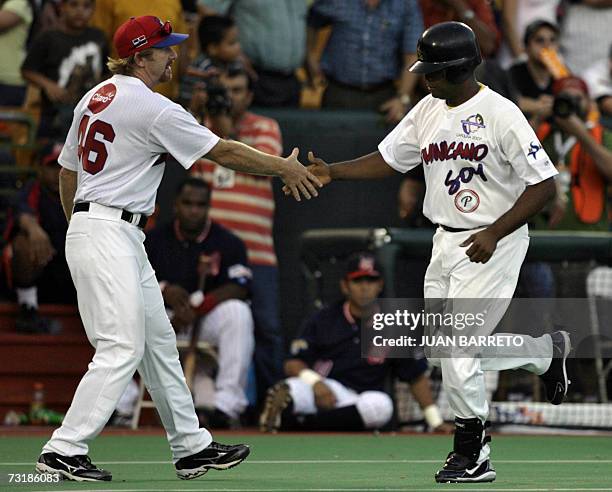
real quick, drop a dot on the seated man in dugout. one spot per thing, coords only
(329, 385)
(34, 262)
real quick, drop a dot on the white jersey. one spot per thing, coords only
(121, 135)
(477, 157)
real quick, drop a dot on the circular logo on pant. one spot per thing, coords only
(467, 201)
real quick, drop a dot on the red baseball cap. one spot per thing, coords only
(147, 31)
(571, 82)
(50, 153)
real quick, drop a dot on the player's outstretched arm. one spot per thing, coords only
(240, 157)
(370, 166)
(67, 186)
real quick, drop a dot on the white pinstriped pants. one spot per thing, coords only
(124, 317)
(229, 327)
(374, 407)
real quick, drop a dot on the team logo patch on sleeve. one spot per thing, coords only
(467, 201)
(534, 148)
(239, 271)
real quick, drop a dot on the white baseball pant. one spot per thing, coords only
(124, 318)
(374, 407)
(229, 327)
(451, 275)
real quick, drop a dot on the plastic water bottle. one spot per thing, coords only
(38, 404)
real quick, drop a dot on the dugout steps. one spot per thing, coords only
(57, 361)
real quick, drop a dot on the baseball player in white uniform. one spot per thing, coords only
(486, 174)
(113, 162)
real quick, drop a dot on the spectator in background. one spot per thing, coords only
(244, 204)
(219, 49)
(516, 15)
(532, 78)
(372, 44)
(110, 14)
(37, 233)
(477, 14)
(410, 196)
(330, 386)
(599, 81)
(273, 37)
(585, 33)
(582, 151)
(65, 63)
(181, 253)
(15, 20)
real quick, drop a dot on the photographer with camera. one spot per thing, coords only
(581, 149)
(244, 204)
(219, 51)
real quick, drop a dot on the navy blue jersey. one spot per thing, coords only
(330, 343)
(175, 259)
(36, 200)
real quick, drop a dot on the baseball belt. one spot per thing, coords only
(125, 215)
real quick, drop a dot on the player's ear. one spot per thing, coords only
(344, 287)
(380, 284)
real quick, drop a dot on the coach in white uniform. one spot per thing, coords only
(486, 174)
(113, 162)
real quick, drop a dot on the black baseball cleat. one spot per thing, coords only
(78, 468)
(214, 457)
(555, 378)
(277, 400)
(459, 469)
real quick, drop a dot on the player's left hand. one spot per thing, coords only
(394, 110)
(482, 246)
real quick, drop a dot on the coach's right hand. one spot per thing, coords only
(324, 397)
(298, 179)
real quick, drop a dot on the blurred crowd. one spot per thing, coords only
(552, 57)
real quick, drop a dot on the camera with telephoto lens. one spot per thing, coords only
(565, 105)
(218, 101)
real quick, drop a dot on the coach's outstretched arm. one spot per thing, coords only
(533, 199)
(241, 157)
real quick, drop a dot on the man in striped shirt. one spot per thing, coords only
(244, 204)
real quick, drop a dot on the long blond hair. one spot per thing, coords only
(126, 66)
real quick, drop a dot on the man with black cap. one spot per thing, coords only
(329, 385)
(113, 161)
(485, 174)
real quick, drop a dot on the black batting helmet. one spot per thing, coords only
(447, 45)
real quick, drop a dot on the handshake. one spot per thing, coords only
(300, 180)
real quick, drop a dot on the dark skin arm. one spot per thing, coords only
(177, 298)
(421, 390)
(482, 244)
(370, 166)
(324, 397)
